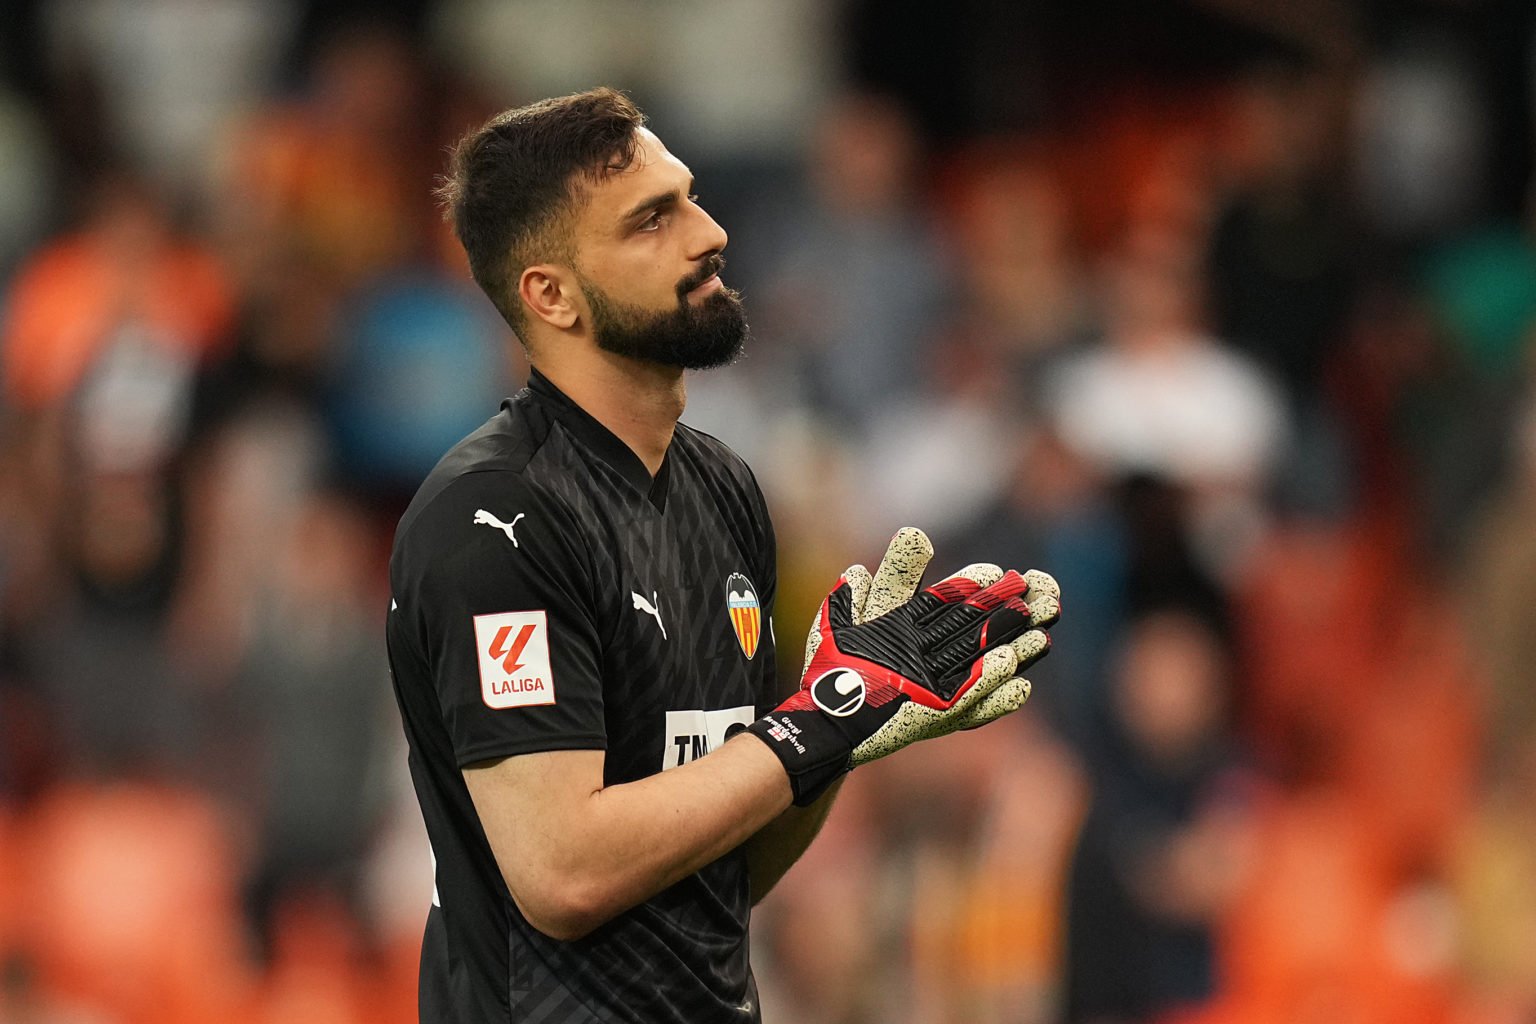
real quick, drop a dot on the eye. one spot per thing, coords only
(694, 199)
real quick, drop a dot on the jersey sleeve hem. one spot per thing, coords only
(497, 750)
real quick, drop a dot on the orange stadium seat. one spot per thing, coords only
(1312, 624)
(314, 977)
(131, 904)
(10, 880)
(1314, 938)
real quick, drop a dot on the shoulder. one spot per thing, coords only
(488, 541)
(716, 458)
(489, 496)
(503, 453)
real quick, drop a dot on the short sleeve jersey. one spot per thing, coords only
(548, 594)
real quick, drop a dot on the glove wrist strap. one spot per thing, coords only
(814, 752)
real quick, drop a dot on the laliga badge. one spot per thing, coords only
(514, 659)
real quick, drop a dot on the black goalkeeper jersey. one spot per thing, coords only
(549, 595)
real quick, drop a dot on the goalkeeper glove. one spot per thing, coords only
(894, 584)
(926, 667)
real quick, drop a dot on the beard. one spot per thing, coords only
(689, 337)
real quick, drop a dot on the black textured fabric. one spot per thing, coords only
(542, 527)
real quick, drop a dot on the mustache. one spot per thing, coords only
(711, 266)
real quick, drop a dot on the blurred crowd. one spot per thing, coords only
(1225, 314)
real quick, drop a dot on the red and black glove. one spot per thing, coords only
(924, 668)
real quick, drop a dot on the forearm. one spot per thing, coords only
(776, 847)
(648, 834)
(611, 848)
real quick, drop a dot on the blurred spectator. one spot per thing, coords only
(1159, 396)
(420, 361)
(966, 406)
(1054, 511)
(104, 332)
(125, 280)
(988, 921)
(1388, 383)
(1421, 135)
(339, 178)
(731, 80)
(247, 485)
(1019, 279)
(1283, 250)
(1163, 849)
(1484, 289)
(1282, 264)
(1481, 290)
(307, 696)
(283, 348)
(859, 284)
(1500, 588)
(26, 188)
(964, 893)
(170, 75)
(118, 703)
(824, 927)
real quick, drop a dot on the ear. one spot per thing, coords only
(550, 294)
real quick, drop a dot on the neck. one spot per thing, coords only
(639, 402)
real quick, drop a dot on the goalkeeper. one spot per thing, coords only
(580, 635)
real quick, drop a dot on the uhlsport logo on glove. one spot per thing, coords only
(839, 693)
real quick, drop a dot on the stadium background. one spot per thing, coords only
(1221, 310)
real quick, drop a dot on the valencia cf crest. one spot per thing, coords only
(746, 613)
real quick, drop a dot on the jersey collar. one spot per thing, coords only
(603, 441)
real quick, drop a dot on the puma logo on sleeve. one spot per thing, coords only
(484, 517)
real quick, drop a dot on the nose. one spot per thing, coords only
(709, 236)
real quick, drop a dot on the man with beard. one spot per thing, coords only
(582, 596)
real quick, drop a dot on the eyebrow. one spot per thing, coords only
(656, 202)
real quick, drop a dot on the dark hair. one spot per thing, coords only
(512, 183)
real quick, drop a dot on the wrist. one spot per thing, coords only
(813, 753)
(763, 763)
